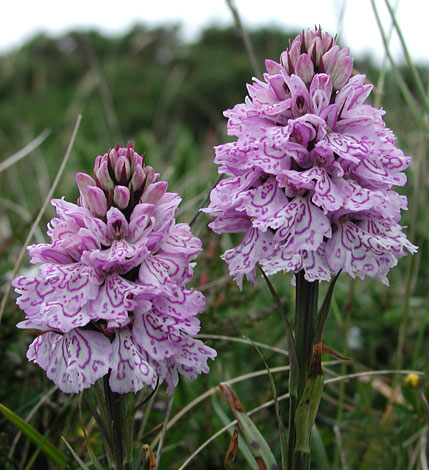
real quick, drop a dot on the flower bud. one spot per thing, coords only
(304, 68)
(150, 175)
(96, 201)
(103, 177)
(83, 181)
(138, 179)
(329, 60)
(122, 170)
(342, 72)
(315, 51)
(121, 196)
(154, 192)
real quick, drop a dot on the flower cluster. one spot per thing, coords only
(310, 176)
(111, 294)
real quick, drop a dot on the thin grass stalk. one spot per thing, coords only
(164, 430)
(403, 328)
(39, 215)
(24, 151)
(406, 93)
(413, 70)
(27, 419)
(341, 15)
(380, 82)
(346, 351)
(245, 36)
(280, 424)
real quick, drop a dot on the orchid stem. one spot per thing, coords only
(305, 328)
(115, 406)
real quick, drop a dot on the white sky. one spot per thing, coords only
(24, 18)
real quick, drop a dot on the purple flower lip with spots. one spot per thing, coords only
(111, 293)
(310, 175)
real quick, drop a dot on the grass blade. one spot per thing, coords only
(39, 215)
(24, 151)
(410, 63)
(81, 463)
(40, 441)
(280, 424)
(406, 93)
(318, 450)
(254, 439)
(244, 449)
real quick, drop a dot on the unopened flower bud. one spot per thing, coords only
(121, 196)
(122, 170)
(150, 175)
(273, 68)
(342, 72)
(137, 180)
(304, 68)
(96, 201)
(315, 51)
(103, 176)
(154, 192)
(329, 60)
(83, 181)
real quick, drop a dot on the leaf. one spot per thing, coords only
(280, 424)
(333, 353)
(318, 450)
(81, 463)
(243, 447)
(232, 449)
(293, 359)
(254, 439)
(324, 309)
(309, 404)
(40, 441)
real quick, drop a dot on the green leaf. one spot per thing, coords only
(322, 315)
(318, 450)
(40, 441)
(244, 449)
(280, 424)
(309, 404)
(254, 439)
(81, 463)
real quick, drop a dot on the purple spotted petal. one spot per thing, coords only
(73, 361)
(131, 370)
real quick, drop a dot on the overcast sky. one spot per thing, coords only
(22, 19)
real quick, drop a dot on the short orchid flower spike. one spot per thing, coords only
(111, 295)
(309, 178)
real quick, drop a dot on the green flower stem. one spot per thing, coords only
(116, 415)
(305, 327)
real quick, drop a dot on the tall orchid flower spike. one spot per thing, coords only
(310, 176)
(111, 295)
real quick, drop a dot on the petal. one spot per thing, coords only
(58, 298)
(359, 253)
(130, 368)
(256, 245)
(73, 361)
(302, 226)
